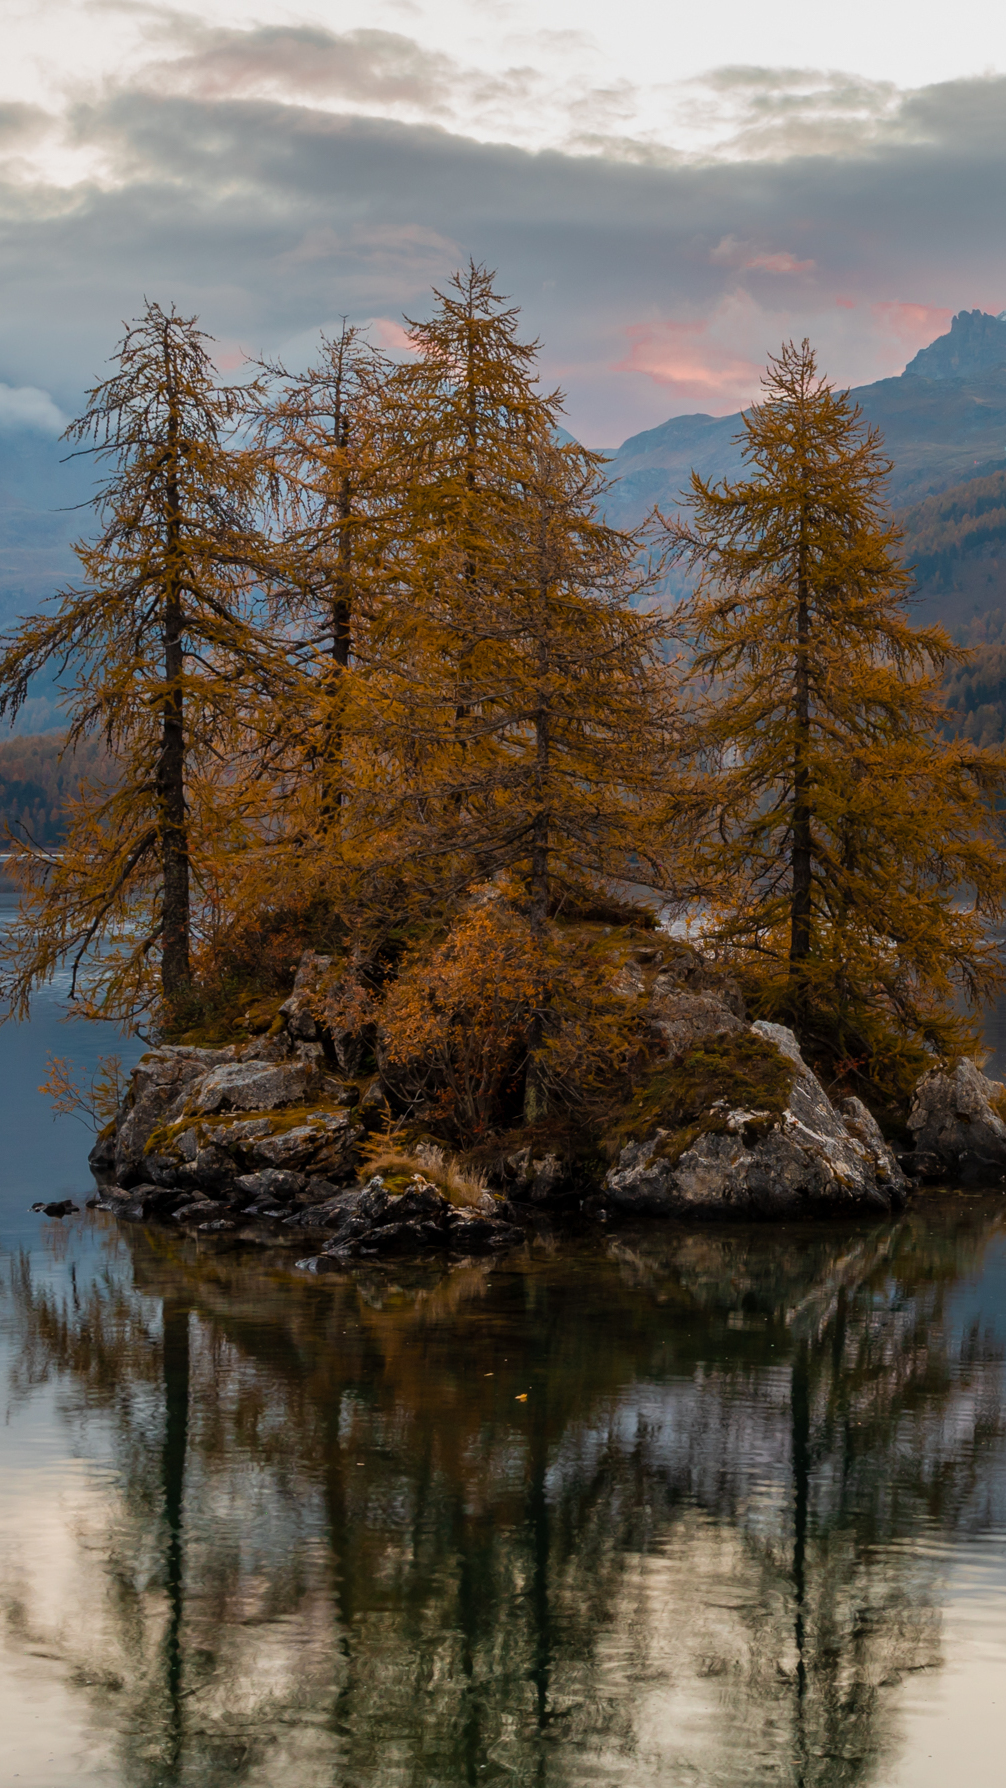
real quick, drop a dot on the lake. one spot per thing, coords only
(718, 1507)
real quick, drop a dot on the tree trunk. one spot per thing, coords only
(534, 1090)
(800, 910)
(175, 1318)
(333, 792)
(176, 973)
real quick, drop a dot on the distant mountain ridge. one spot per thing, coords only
(943, 419)
(974, 345)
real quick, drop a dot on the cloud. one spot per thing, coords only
(687, 358)
(390, 335)
(27, 406)
(913, 325)
(656, 284)
(381, 68)
(731, 253)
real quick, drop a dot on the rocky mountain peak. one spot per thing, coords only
(974, 345)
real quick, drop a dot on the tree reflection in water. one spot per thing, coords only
(340, 1550)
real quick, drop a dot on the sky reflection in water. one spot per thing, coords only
(748, 1526)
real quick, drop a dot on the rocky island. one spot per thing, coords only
(277, 1139)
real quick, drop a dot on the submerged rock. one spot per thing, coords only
(373, 1223)
(957, 1128)
(808, 1158)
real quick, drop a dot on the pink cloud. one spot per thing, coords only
(846, 303)
(731, 252)
(784, 263)
(683, 357)
(229, 357)
(914, 324)
(389, 335)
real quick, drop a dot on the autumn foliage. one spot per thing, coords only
(852, 864)
(376, 677)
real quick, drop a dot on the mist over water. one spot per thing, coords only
(720, 1507)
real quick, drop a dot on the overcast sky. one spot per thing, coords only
(668, 191)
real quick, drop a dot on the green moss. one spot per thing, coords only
(163, 1138)
(693, 1093)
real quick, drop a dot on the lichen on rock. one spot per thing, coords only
(749, 1160)
(958, 1124)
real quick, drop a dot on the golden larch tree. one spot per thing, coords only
(164, 658)
(852, 862)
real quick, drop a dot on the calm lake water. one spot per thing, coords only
(725, 1507)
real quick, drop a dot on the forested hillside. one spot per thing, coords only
(956, 543)
(36, 782)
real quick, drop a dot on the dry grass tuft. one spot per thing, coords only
(463, 1187)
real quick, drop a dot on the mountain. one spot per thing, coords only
(944, 425)
(974, 346)
(955, 543)
(943, 420)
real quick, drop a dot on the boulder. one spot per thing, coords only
(957, 1129)
(683, 970)
(807, 1159)
(686, 998)
(543, 1179)
(252, 1086)
(271, 1185)
(197, 1210)
(680, 1018)
(101, 1159)
(470, 1233)
(174, 1078)
(298, 1009)
(213, 1168)
(326, 1141)
(158, 1083)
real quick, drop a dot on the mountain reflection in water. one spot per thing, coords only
(329, 1544)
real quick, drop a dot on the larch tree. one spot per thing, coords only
(331, 486)
(519, 678)
(852, 864)
(463, 422)
(163, 657)
(514, 652)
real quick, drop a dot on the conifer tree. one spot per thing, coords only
(515, 661)
(320, 437)
(165, 660)
(518, 681)
(853, 861)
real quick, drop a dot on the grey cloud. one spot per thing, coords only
(270, 219)
(384, 71)
(25, 406)
(375, 67)
(22, 125)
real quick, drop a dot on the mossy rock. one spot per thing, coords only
(692, 1094)
(163, 1138)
